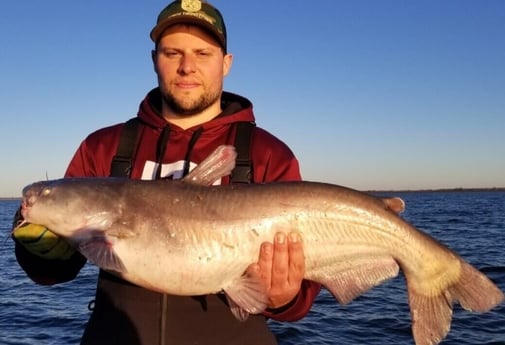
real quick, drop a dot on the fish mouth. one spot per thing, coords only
(26, 205)
(30, 196)
(22, 215)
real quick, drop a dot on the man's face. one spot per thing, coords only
(190, 66)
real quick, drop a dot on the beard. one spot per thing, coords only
(187, 106)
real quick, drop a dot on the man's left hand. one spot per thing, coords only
(281, 266)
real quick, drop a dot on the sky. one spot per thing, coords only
(369, 94)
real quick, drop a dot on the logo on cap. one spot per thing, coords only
(191, 5)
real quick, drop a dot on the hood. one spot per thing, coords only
(195, 142)
(235, 109)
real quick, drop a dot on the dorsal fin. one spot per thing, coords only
(220, 163)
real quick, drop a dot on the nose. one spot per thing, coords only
(187, 64)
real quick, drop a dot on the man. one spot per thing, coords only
(179, 124)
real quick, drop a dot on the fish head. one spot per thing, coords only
(65, 206)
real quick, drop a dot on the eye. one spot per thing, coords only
(204, 53)
(46, 191)
(170, 53)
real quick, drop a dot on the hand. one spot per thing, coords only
(281, 266)
(40, 241)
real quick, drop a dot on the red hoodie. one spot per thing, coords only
(173, 148)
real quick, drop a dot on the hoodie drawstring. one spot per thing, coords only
(160, 150)
(162, 145)
(192, 142)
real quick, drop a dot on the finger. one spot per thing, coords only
(296, 259)
(280, 261)
(265, 262)
(254, 270)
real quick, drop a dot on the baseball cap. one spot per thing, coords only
(195, 12)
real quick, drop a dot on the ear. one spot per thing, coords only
(227, 62)
(154, 58)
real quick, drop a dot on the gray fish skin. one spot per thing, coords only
(187, 239)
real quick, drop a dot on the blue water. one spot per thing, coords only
(471, 223)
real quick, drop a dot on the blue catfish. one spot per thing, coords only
(190, 238)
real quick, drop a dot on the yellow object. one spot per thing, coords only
(41, 241)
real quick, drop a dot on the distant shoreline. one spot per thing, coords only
(494, 189)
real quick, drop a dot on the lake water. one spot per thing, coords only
(471, 223)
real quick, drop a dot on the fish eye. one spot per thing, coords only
(46, 191)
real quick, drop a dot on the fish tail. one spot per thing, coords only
(474, 291)
(432, 313)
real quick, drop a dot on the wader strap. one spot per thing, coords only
(121, 164)
(243, 172)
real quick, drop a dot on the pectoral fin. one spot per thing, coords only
(99, 250)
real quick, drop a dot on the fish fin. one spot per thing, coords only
(358, 277)
(246, 295)
(237, 311)
(431, 317)
(220, 163)
(99, 251)
(395, 204)
(475, 291)
(432, 314)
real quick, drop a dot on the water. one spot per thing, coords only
(472, 223)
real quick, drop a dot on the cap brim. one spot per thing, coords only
(158, 30)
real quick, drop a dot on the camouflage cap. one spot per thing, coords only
(194, 12)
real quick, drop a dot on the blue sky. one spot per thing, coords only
(370, 94)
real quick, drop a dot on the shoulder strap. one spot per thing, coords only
(121, 164)
(243, 171)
